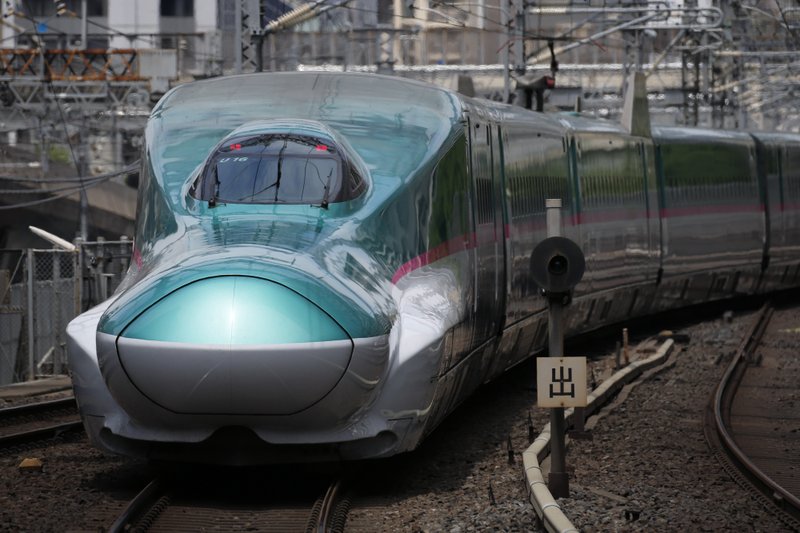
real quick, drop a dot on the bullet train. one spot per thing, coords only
(327, 264)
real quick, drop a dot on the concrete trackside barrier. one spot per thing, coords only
(554, 520)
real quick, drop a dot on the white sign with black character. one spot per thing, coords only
(561, 381)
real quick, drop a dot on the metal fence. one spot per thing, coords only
(40, 292)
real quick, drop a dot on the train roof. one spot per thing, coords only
(705, 135)
(776, 137)
(579, 124)
(394, 124)
(253, 90)
(556, 123)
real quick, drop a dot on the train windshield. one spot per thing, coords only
(275, 169)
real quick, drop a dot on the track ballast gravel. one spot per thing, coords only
(647, 469)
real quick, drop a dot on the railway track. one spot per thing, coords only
(735, 446)
(38, 421)
(169, 506)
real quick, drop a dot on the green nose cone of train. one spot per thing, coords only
(234, 345)
(235, 310)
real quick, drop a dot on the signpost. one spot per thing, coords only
(557, 266)
(561, 381)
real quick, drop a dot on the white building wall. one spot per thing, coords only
(205, 16)
(137, 17)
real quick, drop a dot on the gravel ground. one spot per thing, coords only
(77, 489)
(649, 467)
(22, 400)
(460, 479)
(648, 458)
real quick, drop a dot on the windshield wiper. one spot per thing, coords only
(280, 169)
(212, 202)
(324, 203)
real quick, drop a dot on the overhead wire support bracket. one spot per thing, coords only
(648, 18)
(288, 20)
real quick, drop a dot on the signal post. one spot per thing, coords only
(558, 266)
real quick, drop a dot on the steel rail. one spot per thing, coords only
(144, 501)
(37, 408)
(24, 437)
(723, 398)
(328, 520)
(327, 514)
(40, 433)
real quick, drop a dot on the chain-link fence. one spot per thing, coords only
(12, 313)
(103, 264)
(41, 291)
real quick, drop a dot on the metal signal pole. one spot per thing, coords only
(558, 479)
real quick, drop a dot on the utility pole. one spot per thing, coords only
(84, 24)
(237, 37)
(519, 44)
(83, 226)
(504, 10)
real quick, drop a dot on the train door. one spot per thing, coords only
(768, 168)
(502, 222)
(490, 254)
(652, 218)
(663, 228)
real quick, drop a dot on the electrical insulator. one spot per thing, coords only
(61, 7)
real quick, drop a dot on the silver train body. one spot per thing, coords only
(349, 326)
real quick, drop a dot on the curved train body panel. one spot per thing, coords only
(325, 265)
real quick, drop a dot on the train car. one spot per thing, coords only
(779, 176)
(327, 264)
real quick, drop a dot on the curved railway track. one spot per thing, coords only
(32, 422)
(174, 507)
(725, 441)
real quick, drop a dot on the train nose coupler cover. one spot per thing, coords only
(234, 345)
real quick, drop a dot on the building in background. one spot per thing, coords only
(78, 77)
(698, 54)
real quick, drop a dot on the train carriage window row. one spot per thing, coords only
(482, 172)
(540, 172)
(698, 175)
(791, 170)
(485, 209)
(618, 183)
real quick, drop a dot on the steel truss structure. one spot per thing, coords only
(709, 62)
(89, 82)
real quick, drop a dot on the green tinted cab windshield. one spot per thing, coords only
(277, 169)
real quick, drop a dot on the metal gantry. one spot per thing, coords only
(697, 54)
(708, 62)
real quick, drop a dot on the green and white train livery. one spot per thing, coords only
(327, 264)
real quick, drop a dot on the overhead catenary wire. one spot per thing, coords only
(527, 35)
(74, 188)
(130, 169)
(61, 192)
(84, 201)
(48, 199)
